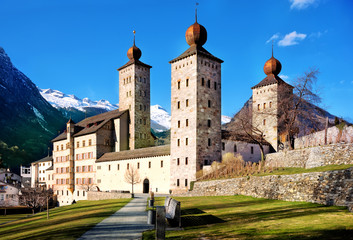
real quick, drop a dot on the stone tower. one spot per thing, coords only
(266, 98)
(134, 95)
(195, 109)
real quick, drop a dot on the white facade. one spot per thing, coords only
(38, 174)
(249, 151)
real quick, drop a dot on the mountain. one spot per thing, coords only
(28, 122)
(77, 109)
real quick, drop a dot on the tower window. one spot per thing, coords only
(264, 105)
(186, 182)
(144, 107)
(127, 166)
(130, 93)
(178, 142)
(208, 83)
(109, 167)
(202, 81)
(178, 183)
(178, 104)
(138, 165)
(186, 161)
(178, 161)
(187, 102)
(215, 86)
(144, 93)
(89, 142)
(209, 142)
(178, 84)
(140, 120)
(264, 121)
(187, 122)
(178, 124)
(209, 103)
(270, 104)
(187, 82)
(208, 123)
(118, 167)
(127, 94)
(223, 146)
(140, 107)
(161, 164)
(252, 150)
(258, 107)
(186, 141)
(149, 164)
(144, 121)
(235, 148)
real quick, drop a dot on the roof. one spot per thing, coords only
(195, 49)
(50, 168)
(136, 153)
(239, 137)
(91, 124)
(133, 61)
(46, 159)
(270, 79)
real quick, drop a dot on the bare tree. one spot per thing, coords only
(245, 130)
(35, 198)
(132, 176)
(300, 107)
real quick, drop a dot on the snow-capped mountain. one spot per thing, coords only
(70, 105)
(225, 119)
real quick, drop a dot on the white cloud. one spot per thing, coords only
(284, 77)
(301, 4)
(292, 38)
(274, 37)
(317, 34)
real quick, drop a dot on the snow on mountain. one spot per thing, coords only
(225, 119)
(61, 100)
(160, 118)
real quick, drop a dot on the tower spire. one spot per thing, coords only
(196, 11)
(272, 48)
(134, 36)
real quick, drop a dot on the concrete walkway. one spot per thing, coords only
(127, 223)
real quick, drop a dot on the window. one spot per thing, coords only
(99, 168)
(62, 147)
(186, 182)
(270, 104)
(208, 83)
(140, 107)
(187, 102)
(118, 167)
(127, 166)
(57, 148)
(178, 142)
(235, 148)
(178, 161)
(83, 193)
(178, 84)
(99, 181)
(264, 121)
(161, 164)
(109, 167)
(264, 105)
(178, 124)
(78, 193)
(149, 164)
(215, 86)
(252, 150)
(208, 123)
(186, 161)
(178, 104)
(187, 122)
(209, 103)
(138, 165)
(223, 146)
(78, 144)
(202, 81)
(83, 143)
(186, 141)
(187, 82)
(178, 183)
(144, 121)
(209, 142)
(67, 192)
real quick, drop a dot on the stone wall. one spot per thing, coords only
(339, 153)
(106, 195)
(334, 135)
(329, 188)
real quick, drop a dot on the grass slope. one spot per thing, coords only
(68, 222)
(242, 217)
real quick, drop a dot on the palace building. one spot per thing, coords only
(95, 153)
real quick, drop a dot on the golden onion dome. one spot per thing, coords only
(272, 66)
(134, 52)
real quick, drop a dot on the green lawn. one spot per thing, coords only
(242, 217)
(68, 222)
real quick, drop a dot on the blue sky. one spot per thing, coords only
(76, 46)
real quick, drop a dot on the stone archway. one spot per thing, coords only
(146, 186)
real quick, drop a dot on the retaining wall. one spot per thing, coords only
(106, 195)
(329, 188)
(339, 153)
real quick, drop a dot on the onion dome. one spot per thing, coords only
(134, 52)
(272, 66)
(196, 33)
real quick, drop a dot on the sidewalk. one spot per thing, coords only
(127, 223)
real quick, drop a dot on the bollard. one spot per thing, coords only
(151, 217)
(151, 203)
(160, 223)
